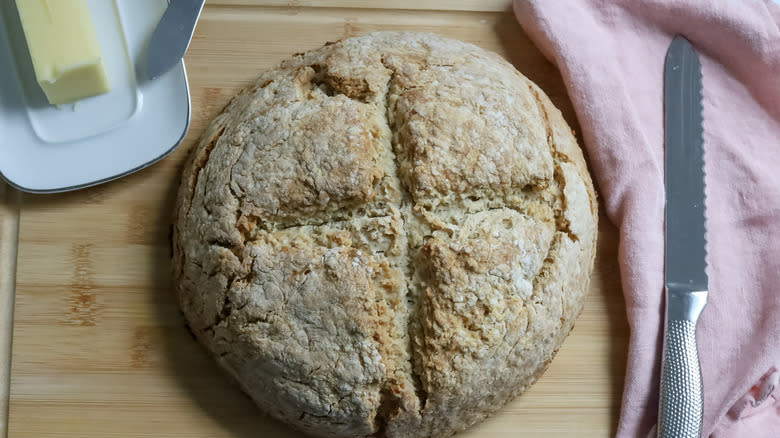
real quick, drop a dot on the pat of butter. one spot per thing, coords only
(64, 49)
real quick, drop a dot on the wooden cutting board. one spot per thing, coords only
(99, 346)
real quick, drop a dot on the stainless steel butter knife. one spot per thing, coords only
(681, 398)
(172, 36)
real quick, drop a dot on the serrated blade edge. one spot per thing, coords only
(684, 168)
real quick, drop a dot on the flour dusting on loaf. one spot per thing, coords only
(388, 236)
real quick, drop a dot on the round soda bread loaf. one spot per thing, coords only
(388, 236)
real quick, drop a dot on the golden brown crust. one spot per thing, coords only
(390, 235)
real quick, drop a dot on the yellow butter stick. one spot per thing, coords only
(64, 49)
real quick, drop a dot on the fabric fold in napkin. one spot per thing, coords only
(611, 55)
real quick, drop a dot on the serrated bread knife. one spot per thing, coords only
(681, 398)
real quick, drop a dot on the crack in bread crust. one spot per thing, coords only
(389, 236)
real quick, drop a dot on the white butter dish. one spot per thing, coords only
(45, 148)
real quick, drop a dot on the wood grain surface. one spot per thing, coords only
(99, 346)
(9, 227)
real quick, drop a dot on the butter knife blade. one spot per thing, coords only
(172, 36)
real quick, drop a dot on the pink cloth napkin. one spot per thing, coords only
(611, 55)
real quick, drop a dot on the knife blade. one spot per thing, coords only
(172, 36)
(686, 284)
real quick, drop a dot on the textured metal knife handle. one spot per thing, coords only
(681, 401)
